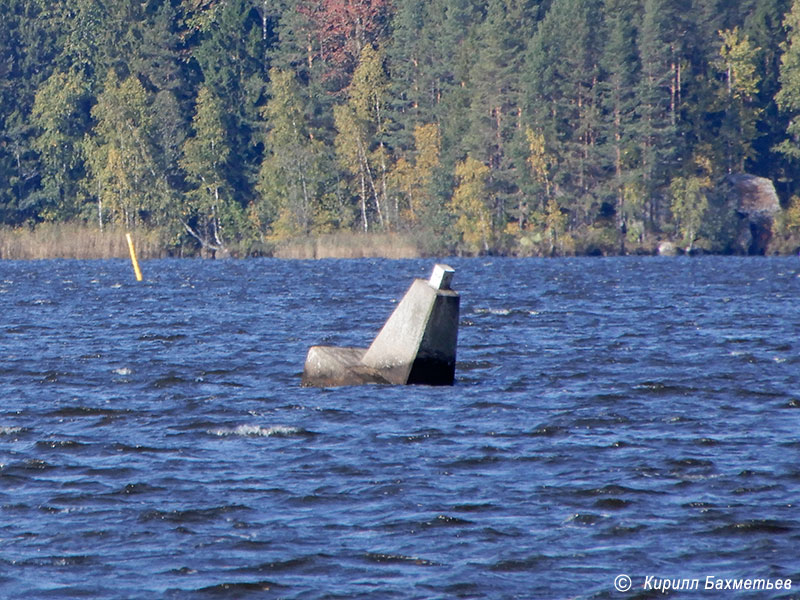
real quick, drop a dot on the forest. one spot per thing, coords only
(516, 127)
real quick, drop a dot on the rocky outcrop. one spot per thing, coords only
(755, 201)
(755, 197)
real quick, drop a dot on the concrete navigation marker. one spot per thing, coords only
(416, 345)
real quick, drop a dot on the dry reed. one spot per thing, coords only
(349, 245)
(69, 240)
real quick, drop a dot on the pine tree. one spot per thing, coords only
(562, 100)
(658, 99)
(230, 54)
(410, 102)
(448, 49)
(157, 54)
(621, 66)
(763, 27)
(28, 48)
(495, 122)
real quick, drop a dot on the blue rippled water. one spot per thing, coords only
(636, 416)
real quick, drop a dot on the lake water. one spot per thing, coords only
(622, 416)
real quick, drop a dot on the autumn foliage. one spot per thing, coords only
(343, 27)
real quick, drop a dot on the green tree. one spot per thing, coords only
(621, 66)
(788, 98)
(563, 99)
(362, 124)
(208, 211)
(434, 86)
(120, 154)
(229, 50)
(764, 29)
(60, 114)
(28, 48)
(292, 175)
(495, 127)
(738, 66)
(689, 207)
(658, 99)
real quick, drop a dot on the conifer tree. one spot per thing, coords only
(563, 98)
(495, 122)
(658, 98)
(230, 53)
(447, 56)
(29, 44)
(621, 66)
(763, 26)
(406, 52)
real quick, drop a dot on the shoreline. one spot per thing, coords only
(50, 241)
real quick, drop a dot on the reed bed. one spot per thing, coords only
(349, 245)
(79, 241)
(69, 240)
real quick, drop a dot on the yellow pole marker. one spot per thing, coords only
(133, 258)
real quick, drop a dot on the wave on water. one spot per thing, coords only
(257, 431)
(610, 416)
(10, 430)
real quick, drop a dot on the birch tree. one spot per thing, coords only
(205, 154)
(291, 177)
(120, 153)
(361, 125)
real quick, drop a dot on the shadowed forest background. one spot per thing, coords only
(525, 127)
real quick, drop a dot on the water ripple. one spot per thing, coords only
(610, 416)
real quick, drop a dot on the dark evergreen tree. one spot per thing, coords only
(563, 100)
(621, 66)
(495, 117)
(603, 112)
(764, 27)
(229, 53)
(29, 45)
(658, 97)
